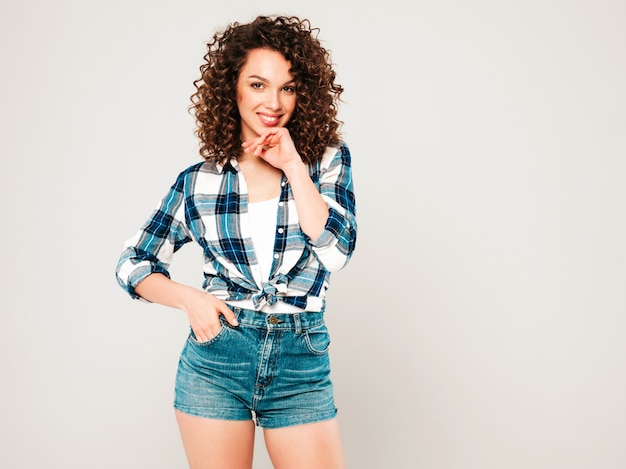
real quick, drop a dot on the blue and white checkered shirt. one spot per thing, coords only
(208, 204)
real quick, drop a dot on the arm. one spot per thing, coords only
(311, 207)
(142, 269)
(202, 309)
(335, 246)
(276, 147)
(327, 214)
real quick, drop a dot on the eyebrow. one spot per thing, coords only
(265, 80)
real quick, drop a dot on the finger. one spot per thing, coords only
(261, 149)
(269, 136)
(256, 148)
(274, 139)
(199, 335)
(230, 317)
(252, 143)
(206, 334)
(249, 146)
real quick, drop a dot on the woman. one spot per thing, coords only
(272, 207)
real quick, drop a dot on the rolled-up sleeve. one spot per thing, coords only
(334, 247)
(152, 248)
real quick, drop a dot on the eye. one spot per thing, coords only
(289, 89)
(257, 85)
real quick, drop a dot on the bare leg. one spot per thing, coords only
(311, 446)
(216, 444)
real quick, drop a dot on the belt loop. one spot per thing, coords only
(296, 321)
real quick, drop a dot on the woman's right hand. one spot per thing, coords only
(203, 309)
(203, 312)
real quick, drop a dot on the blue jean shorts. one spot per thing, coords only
(273, 367)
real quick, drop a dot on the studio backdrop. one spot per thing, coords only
(481, 321)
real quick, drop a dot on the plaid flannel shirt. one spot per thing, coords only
(208, 204)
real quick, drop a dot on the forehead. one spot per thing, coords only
(266, 63)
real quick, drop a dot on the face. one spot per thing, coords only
(266, 93)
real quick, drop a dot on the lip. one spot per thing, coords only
(269, 120)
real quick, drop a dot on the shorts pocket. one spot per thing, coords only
(317, 339)
(211, 341)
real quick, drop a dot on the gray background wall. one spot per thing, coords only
(481, 321)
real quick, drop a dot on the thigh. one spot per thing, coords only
(216, 444)
(215, 379)
(308, 446)
(299, 390)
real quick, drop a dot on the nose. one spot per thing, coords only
(273, 100)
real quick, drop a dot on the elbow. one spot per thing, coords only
(336, 257)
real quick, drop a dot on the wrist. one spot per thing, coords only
(293, 169)
(186, 297)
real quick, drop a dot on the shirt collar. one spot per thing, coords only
(219, 168)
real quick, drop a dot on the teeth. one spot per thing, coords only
(267, 119)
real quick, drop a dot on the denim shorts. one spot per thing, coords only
(274, 367)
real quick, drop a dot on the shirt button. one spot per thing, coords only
(280, 204)
(280, 230)
(275, 256)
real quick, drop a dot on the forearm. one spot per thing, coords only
(157, 288)
(311, 207)
(203, 310)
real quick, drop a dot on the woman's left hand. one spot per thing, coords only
(276, 147)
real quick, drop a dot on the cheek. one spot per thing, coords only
(240, 98)
(243, 96)
(247, 101)
(291, 105)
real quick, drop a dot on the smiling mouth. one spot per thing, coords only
(269, 120)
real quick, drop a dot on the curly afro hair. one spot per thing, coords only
(314, 124)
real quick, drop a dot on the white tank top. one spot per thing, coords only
(262, 216)
(263, 232)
